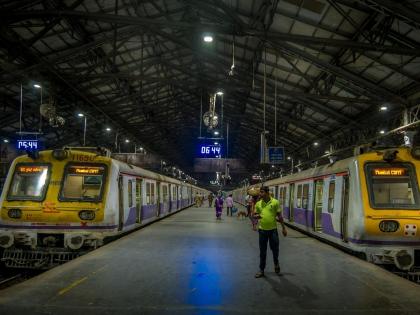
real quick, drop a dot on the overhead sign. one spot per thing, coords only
(275, 155)
(27, 144)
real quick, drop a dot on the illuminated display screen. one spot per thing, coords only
(389, 172)
(86, 170)
(31, 169)
(210, 151)
(27, 144)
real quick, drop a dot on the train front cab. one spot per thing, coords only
(54, 201)
(391, 203)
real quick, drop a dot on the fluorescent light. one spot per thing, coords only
(208, 38)
(382, 131)
(216, 133)
(5, 141)
(141, 148)
(383, 108)
(289, 158)
(216, 143)
(37, 86)
(219, 93)
(108, 129)
(80, 115)
(127, 141)
(316, 143)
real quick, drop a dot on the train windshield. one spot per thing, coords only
(29, 182)
(392, 186)
(83, 182)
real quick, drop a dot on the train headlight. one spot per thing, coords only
(15, 213)
(87, 215)
(389, 226)
(415, 152)
(59, 154)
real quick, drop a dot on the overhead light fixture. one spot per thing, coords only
(289, 158)
(383, 108)
(208, 38)
(316, 143)
(5, 140)
(37, 86)
(80, 115)
(127, 141)
(382, 132)
(219, 93)
(216, 143)
(216, 133)
(108, 129)
(141, 148)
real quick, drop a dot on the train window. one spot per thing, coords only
(130, 193)
(392, 186)
(165, 193)
(83, 182)
(281, 200)
(152, 193)
(29, 182)
(305, 196)
(148, 193)
(331, 196)
(299, 197)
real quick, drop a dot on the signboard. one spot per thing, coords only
(27, 144)
(275, 155)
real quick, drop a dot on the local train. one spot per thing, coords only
(368, 204)
(58, 204)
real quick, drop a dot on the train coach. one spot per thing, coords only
(61, 203)
(369, 204)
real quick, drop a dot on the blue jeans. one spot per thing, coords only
(272, 237)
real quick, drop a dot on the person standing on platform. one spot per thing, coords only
(210, 198)
(219, 206)
(268, 211)
(229, 205)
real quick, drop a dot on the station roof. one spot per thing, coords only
(322, 68)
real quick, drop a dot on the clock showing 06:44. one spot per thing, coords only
(210, 151)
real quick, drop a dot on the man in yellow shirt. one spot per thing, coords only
(267, 210)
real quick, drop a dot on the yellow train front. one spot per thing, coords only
(49, 203)
(59, 204)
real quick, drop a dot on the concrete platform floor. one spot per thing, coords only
(191, 264)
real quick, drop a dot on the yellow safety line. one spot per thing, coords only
(71, 286)
(77, 282)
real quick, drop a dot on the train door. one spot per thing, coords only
(345, 208)
(138, 200)
(318, 188)
(120, 202)
(291, 202)
(158, 198)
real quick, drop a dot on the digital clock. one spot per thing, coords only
(210, 151)
(27, 144)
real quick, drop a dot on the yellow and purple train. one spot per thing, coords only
(64, 202)
(369, 203)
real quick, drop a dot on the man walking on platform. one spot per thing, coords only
(267, 210)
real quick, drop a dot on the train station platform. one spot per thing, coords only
(190, 263)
